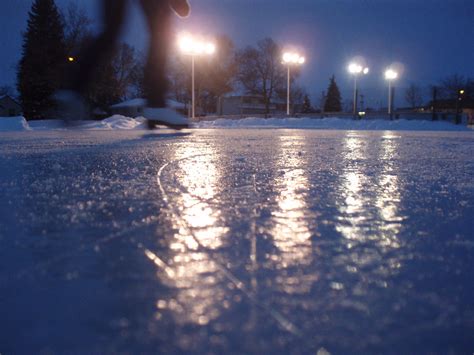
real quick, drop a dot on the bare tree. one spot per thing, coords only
(215, 76)
(77, 27)
(261, 71)
(413, 96)
(451, 85)
(180, 79)
(127, 68)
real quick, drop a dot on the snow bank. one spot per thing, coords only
(334, 123)
(13, 124)
(119, 122)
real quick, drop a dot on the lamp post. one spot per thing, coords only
(194, 48)
(356, 69)
(459, 105)
(290, 59)
(390, 76)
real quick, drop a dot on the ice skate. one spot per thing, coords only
(165, 117)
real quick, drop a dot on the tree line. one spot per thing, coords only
(54, 39)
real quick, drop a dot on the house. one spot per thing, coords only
(9, 107)
(134, 108)
(243, 105)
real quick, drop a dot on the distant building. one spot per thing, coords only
(134, 108)
(244, 105)
(9, 107)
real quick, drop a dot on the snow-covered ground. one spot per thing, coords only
(243, 241)
(118, 122)
(335, 123)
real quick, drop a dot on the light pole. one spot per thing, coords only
(356, 69)
(290, 59)
(390, 76)
(193, 47)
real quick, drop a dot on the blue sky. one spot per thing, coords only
(431, 38)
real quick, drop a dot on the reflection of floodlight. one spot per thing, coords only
(192, 47)
(291, 59)
(366, 71)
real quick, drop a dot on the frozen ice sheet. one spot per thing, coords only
(236, 241)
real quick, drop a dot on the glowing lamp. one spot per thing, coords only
(391, 74)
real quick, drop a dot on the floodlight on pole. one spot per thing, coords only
(356, 69)
(390, 76)
(195, 48)
(289, 59)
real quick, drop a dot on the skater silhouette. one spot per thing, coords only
(158, 17)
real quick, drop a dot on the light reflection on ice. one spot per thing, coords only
(352, 218)
(388, 198)
(191, 272)
(370, 209)
(291, 233)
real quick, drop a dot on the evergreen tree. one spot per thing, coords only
(333, 98)
(43, 57)
(307, 108)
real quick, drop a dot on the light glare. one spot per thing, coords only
(355, 68)
(293, 58)
(391, 74)
(191, 46)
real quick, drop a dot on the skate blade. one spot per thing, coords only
(153, 123)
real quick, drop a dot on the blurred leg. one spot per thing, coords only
(101, 49)
(157, 13)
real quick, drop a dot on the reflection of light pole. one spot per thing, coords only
(390, 75)
(356, 69)
(193, 48)
(291, 59)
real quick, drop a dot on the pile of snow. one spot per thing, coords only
(119, 122)
(334, 123)
(13, 124)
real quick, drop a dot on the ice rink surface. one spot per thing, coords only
(263, 241)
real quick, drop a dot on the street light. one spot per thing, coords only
(356, 69)
(390, 75)
(193, 47)
(290, 59)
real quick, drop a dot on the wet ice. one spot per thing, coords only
(263, 241)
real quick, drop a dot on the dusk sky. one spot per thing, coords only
(431, 38)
